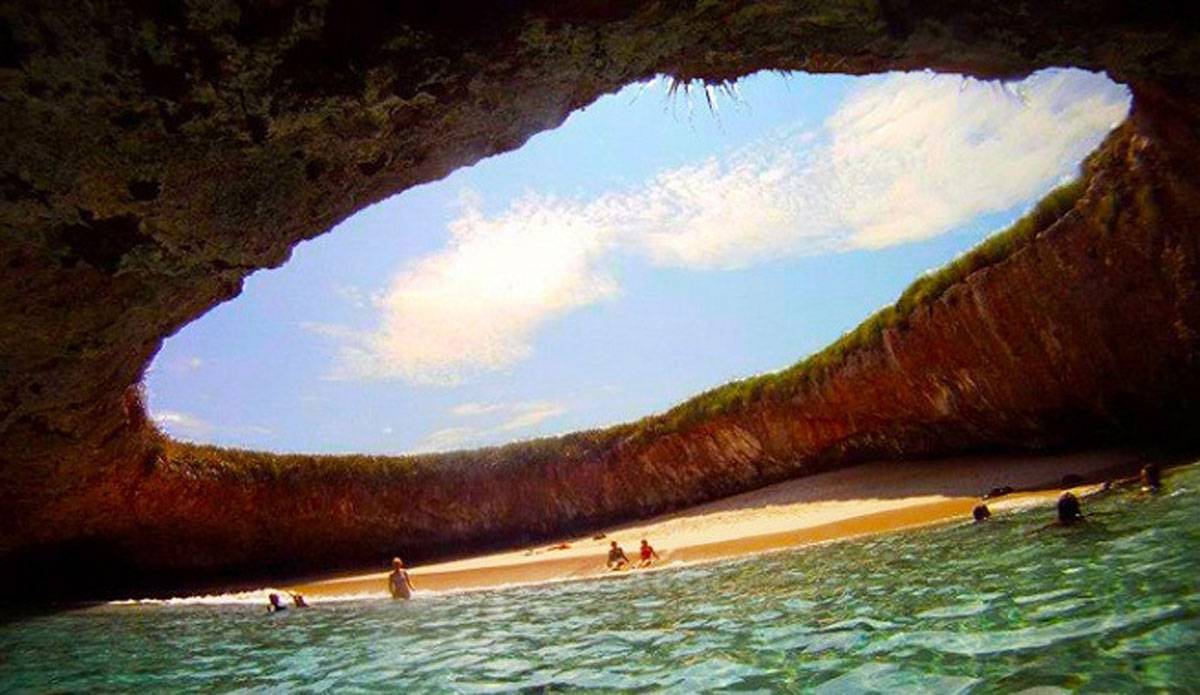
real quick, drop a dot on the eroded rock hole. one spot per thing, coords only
(742, 208)
(313, 169)
(258, 127)
(373, 166)
(144, 190)
(102, 242)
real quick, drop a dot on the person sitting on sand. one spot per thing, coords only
(616, 557)
(275, 603)
(648, 554)
(1151, 478)
(1068, 510)
(981, 513)
(399, 583)
(298, 601)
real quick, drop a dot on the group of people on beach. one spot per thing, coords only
(400, 584)
(617, 560)
(1068, 510)
(275, 602)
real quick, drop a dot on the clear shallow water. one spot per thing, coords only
(1113, 607)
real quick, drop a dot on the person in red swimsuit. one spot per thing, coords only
(648, 554)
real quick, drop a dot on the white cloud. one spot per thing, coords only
(182, 423)
(531, 414)
(190, 426)
(920, 155)
(356, 296)
(475, 305)
(330, 330)
(180, 364)
(466, 409)
(908, 156)
(447, 439)
(517, 415)
(733, 212)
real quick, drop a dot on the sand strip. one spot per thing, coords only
(867, 499)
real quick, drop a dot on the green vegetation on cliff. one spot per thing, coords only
(264, 466)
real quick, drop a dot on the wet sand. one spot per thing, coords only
(871, 498)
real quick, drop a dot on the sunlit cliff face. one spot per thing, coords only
(155, 155)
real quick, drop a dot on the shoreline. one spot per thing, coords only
(872, 498)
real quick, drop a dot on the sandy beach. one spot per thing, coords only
(870, 498)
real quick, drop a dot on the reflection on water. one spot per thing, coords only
(1112, 607)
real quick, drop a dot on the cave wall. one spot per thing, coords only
(156, 153)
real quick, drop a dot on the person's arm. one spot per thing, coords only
(408, 582)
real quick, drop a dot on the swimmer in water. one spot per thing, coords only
(1068, 513)
(616, 557)
(648, 554)
(399, 583)
(275, 603)
(981, 513)
(1151, 478)
(1068, 510)
(298, 601)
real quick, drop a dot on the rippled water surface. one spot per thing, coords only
(1112, 607)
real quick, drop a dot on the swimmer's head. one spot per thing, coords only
(1068, 508)
(981, 512)
(613, 544)
(1151, 477)
(397, 562)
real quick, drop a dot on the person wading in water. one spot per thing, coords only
(398, 581)
(1068, 510)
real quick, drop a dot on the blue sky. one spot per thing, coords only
(648, 249)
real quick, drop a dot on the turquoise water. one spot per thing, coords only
(1112, 607)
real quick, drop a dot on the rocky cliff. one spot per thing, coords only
(154, 154)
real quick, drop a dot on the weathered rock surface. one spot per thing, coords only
(154, 154)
